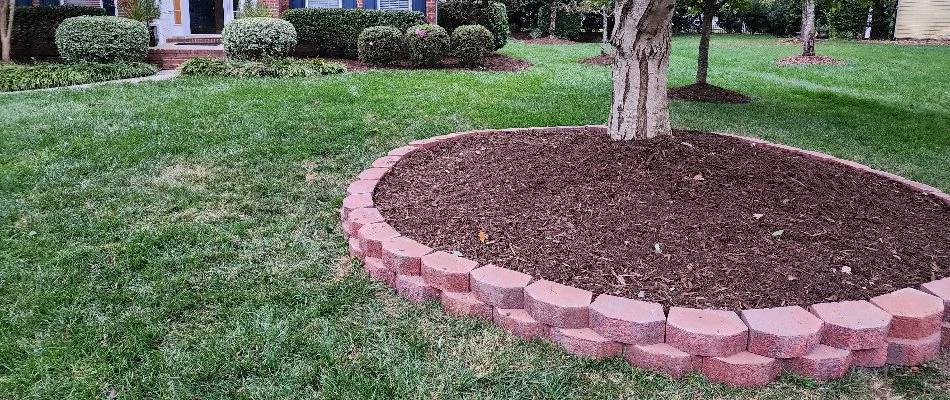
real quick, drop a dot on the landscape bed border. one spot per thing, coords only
(751, 348)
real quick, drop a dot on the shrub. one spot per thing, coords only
(427, 44)
(258, 37)
(251, 9)
(102, 39)
(274, 67)
(34, 28)
(41, 76)
(333, 32)
(567, 25)
(141, 10)
(455, 13)
(380, 45)
(471, 44)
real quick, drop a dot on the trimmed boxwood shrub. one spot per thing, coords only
(567, 26)
(258, 37)
(455, 13)
(381, 45)
(271, 67)
(333, 32)
(102, 39)
(471, 44)
(34, 28)
(41, 76)
(427, 44)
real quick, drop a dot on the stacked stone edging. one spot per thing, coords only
(751, 348)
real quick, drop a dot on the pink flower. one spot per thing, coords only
(421, 33)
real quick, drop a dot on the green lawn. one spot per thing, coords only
(180, 239)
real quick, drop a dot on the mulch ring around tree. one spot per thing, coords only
(701, 220)
(704, 92)
(809, 60)
(494, 62)
(602, 59)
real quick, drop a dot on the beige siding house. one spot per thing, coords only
(922, 19)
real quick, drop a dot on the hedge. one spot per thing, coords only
(254, 38)
(274, 67)
(34, 28)
(427, 44)
(567, 26)
(102, 39)
(471, 44)
(455, 13)
(332, 32)
(381, 45)
(41, 76)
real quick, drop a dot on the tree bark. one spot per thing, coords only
(705, 30)
(641, 47)
(7, 10)
(605, 13)
(808, 27)
(552, 17)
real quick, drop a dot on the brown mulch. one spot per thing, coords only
(704, 92)
(916, 42)
(701, 220)
(495, 62)
(809, 60)
(602, 59)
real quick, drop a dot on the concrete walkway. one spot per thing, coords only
(160, 76)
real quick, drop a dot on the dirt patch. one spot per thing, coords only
(495, 62)
(809, 60)
(191, 177)
(602, 59)
(704, 92)
(700, 221)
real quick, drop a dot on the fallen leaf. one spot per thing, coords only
(699, 177)
(758, 216)
(482, 236)
(656, 248)
(778, 233)
(641, 294)
(846, 269)
(457, 253)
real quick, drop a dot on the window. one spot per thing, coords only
(394, 5)
(324, 4)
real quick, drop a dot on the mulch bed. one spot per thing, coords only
(602, 59)
(700, 221)
(809, 60)
(495, 62)
(704, 92)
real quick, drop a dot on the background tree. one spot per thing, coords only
(707, 10)
(605, 8)
(7, 11)
(641, 48)
(808, 27)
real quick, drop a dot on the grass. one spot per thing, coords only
(179, 239)
(15, 77)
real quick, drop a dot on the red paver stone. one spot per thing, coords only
(782, 332)
(378, 271)
(941, 289)
(664, 358)
(916, 314)
(371, 237)
(362, 186)
(500, 287)
(355, 250)
(373, 174)
(945, 336)
(414, 289)
(465, 304)
(852, 325)
(557, 305)
(743, 369)
(446, 271)
(822, 363)
(354, 201)
(910, 352)
(403, 255)
(628, 321)
(585, 342)
(711, 333)
(386, 161)
(869, 358)
(520, 323)
(360, 217)
(401, 151)
(424, 143)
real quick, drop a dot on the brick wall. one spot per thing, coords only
(430, 11)
(275, 6)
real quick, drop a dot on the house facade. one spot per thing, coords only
(922, 19)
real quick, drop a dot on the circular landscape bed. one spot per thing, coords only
(495, 62)
(703, 250)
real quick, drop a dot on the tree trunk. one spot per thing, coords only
(7, 10)
(705, 30)
(552, 17)
(641, 48)
(808, 27)
(605, 13)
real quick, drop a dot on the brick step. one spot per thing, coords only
(195, 40)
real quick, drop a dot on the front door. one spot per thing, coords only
(206, 16)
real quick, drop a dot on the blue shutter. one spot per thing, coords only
(49, 2)
(349, 3)
(369, 4)
(298, 3)
(24, 3)
(419, 5)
